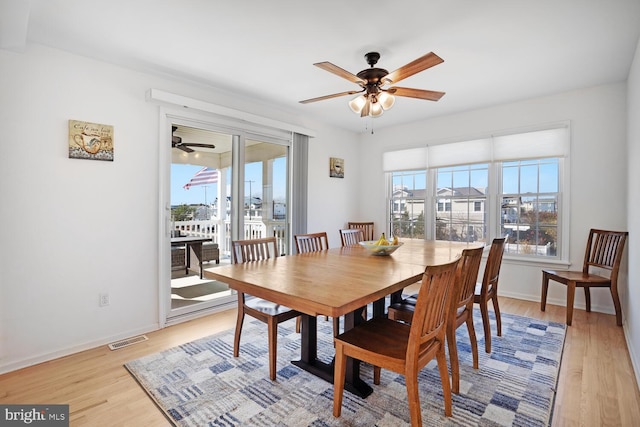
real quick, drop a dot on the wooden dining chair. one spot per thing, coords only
(311, 242)
(272, 314)
(351, 236)
(314, 242)
(461, 311)
(366, 227)
(488, 290)
(604, 252)
(403, 348)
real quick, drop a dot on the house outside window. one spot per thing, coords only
(529, 205)
(407, 204)
(461, 189)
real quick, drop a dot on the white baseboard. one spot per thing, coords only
(556, 301)
(45, 357)
(196, 314)
(635, 362)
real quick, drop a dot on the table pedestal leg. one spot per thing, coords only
(309, 355)
(195, 249)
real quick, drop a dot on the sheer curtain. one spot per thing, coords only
(299, 183)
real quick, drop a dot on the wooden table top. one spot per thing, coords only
(336, 281)
(189, 239)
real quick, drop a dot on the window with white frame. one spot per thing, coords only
(529, 206)
(406, 204)
(462, 191)
(508, 185)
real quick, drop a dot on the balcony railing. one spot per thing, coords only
(220, 231)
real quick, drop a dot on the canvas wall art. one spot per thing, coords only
(93, 141)
(336, 167)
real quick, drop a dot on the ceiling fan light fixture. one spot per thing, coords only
(376, 109)
(357, 104)
(386, 100)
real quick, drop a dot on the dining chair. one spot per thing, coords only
(603, 252)
(314, 242)
(488, 290)
(366, 227)
(311, 242)
(402, 348)
(461, 311)
(351, 236)
(256, 250)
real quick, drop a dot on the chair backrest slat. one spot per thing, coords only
(604, 249)
(312, 242)
(351, 236)
(366, 227)
(253, 250)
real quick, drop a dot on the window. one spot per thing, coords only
(406, 207)
(444, 205)
(529, 206)
(509, 185)
(462, 192)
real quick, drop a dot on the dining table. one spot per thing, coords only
(193, 246)
(336, 282)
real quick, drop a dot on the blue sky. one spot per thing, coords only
(530, 176)
(181, 174)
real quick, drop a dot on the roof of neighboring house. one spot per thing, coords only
(460, 191)
(455, 192)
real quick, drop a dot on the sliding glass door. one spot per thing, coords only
(265, 198)
(225, 184)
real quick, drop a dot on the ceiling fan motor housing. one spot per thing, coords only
(373, 77)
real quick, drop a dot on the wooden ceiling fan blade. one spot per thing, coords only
(335, 95)
(340, 72)
(184, 148)
(426, 61)
(430, 95)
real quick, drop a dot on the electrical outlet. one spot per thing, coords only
(103, 300)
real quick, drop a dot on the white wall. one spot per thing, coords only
(333, 201)
(598, 169)
(632, 327)
(75, 228)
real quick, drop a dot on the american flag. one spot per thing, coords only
(202, 177)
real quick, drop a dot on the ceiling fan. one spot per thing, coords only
(376, 98)
(176, 142)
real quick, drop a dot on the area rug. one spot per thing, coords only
(201, 384)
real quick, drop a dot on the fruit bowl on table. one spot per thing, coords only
(374, 249)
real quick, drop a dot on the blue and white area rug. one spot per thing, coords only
(201, 384)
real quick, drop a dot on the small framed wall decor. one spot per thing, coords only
(336, 167)
(93, 141)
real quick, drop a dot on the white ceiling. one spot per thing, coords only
(495, 51)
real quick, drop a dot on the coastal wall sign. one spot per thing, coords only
(93, 141)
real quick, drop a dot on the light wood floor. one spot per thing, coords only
(597, 384)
